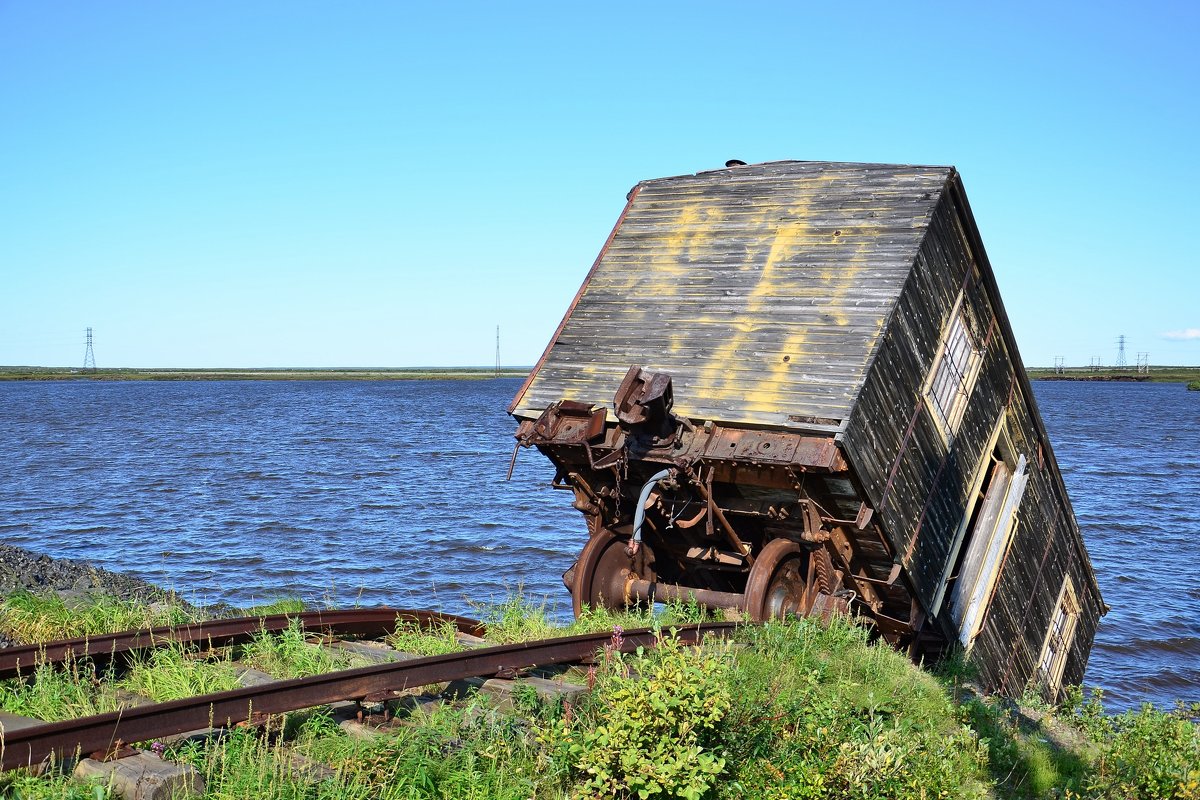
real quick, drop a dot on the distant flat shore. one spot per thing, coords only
(1154, 375)
(1151, 375)
(267, 374)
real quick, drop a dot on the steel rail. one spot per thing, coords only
(32, 745)
(364, 622)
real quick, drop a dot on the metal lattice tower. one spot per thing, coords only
(1059, 368)
(1121, 363)
(1143, 363)
(497, 351)
(89, 358)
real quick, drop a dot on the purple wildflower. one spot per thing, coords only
(618, 638)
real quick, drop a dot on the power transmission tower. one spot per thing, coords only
(1059, 369)
(497, 351)
(1143, 363)
(1121, 364)
(89, 358)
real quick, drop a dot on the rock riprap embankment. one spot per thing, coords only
(22, 569)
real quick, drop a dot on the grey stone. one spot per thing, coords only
(467, 640)
(15, 722)
(143, 776)
(372, 651)
(248, 676)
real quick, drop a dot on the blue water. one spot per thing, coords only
(394, 492)
(1130, 456)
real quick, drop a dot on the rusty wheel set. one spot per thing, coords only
(769, 523)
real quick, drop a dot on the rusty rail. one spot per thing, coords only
(33, 745)
(365, 622)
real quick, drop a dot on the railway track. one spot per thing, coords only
(370, 623)
(105, 734)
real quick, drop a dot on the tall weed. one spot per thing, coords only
(288, 654)
(38, 618)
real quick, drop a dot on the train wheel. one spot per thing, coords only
(785, 580)
(601, 573)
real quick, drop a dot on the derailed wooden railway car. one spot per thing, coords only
(792, 388)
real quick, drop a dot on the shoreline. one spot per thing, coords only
(261, 374)
(1108, 374)
(1182, 375)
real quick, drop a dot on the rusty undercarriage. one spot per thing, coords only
(767, 522)
(791, 387)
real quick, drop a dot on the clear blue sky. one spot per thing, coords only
(381, 184)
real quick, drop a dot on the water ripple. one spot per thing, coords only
(394, 492)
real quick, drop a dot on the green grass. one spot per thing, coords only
(53, 693)
(454, 752)
(36, 618)
(1194, 386)
(820, 713)
(288, 654)
(23, 786)
(1023, 759)
(410, 637)
(281, 605)
(788, 710)
(519, 619)
(175, 672)
(243, 765)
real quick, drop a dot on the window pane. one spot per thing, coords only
(952, 374)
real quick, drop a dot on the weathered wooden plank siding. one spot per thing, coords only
(1046, 547)
(762, 290)
(892, 439)
(919, 486)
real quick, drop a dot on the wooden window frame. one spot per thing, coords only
(999, 538)
(992, 519)
(1060, 638)
(951, 379)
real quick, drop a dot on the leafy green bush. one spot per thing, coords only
(1194, 386)
(820, 713)
(1151, 754)
(651, 726)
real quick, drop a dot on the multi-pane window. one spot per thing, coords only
(1059, 639)
(953, 374)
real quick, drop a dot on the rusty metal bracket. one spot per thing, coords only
(643, 396)
(565, 422)
(116, 750)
